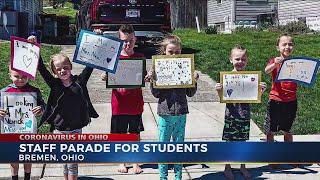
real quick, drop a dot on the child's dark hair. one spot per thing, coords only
(126, 28)
(285, 34)
(238, 47)
(170, 39)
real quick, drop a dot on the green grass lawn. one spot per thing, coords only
(46, 52)
(67, 10)
(212, 52)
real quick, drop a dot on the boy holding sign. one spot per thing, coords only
(127, 104)
(237, 115)
(20, 85)
(282, 105)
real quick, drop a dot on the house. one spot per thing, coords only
(307, 11)
(228, 14)
(18, 17)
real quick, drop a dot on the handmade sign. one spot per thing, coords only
(24, 56)
(97, 51)
(130, 73)
(20, 118)
(240, 87)
(174, 71)
(301, 70)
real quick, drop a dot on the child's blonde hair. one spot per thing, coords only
(59, 56)
(170, 39)
(238, 47)
(285, 34)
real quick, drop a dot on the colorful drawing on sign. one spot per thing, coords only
(97, 51)
(24, 56)
(20, 118)
(130, 73)
(240, 87)
(174, 71)
(299, 69)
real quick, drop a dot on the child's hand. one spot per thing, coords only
(104, 77)
(149, 77)
(278, 60)
(37, 111)
(263, 86)
(196, 76)
(32, 39)
(218, 86)
(3, 113)
(98, 31)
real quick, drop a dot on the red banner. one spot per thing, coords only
(69, 137)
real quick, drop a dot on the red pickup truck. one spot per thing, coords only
(150, 18)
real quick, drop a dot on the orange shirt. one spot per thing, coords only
(284, 91)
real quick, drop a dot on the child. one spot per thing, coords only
(69, 108)
(127, 104)
(172, 107)
(237, 116)
(20, 84)
(282, 105)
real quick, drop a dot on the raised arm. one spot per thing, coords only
(47, 76)
(85, 75)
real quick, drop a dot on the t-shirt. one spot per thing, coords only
(127, 101)
(284, 91)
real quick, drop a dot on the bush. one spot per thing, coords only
(211, 30)
(295, 27)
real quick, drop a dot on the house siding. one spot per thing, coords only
(292, 10)
(247, 10)
(218, 13)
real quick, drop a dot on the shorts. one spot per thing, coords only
(280, 116)
(236, 129)
(123, 124)
(70, 168)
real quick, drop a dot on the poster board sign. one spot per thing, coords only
(20, 118)
(174, 71)
(240, 87)
(24, 56)
(301, 70)
(130, 73)
(98, 51)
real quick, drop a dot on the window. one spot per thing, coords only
(219, 1)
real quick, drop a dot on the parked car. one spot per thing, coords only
(150, 18)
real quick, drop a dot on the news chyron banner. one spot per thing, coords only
(110, 148)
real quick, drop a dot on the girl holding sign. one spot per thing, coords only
(172, 107)
(237, 115)
(69, 108)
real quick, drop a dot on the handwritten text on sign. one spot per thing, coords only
(24, 56)
(240, 86)
(299, 70)
(174, 71)
(129, 73)
(98, 51)
(20, 118)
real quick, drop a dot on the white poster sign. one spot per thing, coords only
(19, 118)
(299, 69)
(97, 51)
(24, 56)
(242, 87)
(174, 71)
